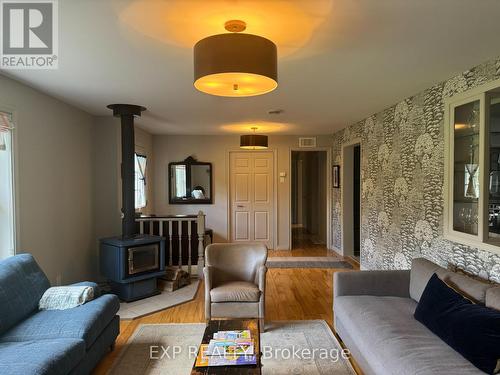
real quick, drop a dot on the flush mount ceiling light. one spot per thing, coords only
(235, 64)
(253, 141)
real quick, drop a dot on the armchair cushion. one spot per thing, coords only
(235, 291)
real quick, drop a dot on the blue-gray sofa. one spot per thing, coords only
(54, 342)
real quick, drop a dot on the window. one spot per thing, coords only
(7, 227)
(472, 178)
(140, 181)
(180, 181)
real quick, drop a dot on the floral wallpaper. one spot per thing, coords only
(402, 173)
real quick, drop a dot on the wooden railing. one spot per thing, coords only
(179, 233)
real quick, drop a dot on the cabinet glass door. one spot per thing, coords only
(466, 167)
(493, 107)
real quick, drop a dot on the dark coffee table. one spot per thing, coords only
(229, 325)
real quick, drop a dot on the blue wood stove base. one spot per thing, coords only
(135, 290)
(114, 261)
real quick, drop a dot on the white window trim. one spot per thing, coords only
(15, 175)
(482, 240)
(141, 207)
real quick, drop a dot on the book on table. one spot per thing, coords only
(204, 360)
(227, 348)
(233, 335)
(230, 347)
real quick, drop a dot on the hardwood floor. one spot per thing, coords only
(291, 294)
(302, 239)
(317, 251)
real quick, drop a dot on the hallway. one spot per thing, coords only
(303, 242)
(309, 203)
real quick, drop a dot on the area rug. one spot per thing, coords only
(288, 347)
(136, 309)
(307, 262)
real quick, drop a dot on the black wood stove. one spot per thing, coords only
(131, 262)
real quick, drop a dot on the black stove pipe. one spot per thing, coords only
(126, 112)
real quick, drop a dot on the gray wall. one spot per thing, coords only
(214, 149)
(402, 181)
(54, 191)
(106, 178)
(68, 188)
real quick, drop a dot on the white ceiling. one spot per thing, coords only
(340, 60)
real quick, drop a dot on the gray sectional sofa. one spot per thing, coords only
(373, 315)
(50, 342)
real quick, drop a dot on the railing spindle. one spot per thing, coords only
(180, 242)
(189, 247)
(170, 243)
(170, 221)
(200, 227)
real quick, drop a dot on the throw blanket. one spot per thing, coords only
(65, 297)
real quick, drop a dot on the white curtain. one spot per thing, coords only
(5, 128)
(180, 181)
(140, 181)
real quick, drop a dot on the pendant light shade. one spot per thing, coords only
(253, 141)
(235, 65)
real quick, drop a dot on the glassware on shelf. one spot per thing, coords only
(471, 189)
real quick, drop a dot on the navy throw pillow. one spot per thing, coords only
(472, 330)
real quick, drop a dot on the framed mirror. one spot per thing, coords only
(190, 182)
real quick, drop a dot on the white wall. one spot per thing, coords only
(169, 148)
(54, 182)
(107, 179)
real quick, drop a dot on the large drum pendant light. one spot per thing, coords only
(235, 64)
(253, 141)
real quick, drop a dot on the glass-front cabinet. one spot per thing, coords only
(472, 178)
(466, 167)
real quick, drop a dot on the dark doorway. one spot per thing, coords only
(356, 204)
(351, 199)
(309, 188)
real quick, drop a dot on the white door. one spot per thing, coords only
(251, 203)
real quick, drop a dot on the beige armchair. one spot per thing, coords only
(235, 280)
